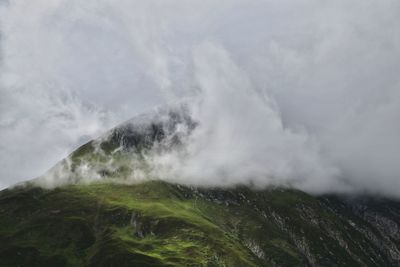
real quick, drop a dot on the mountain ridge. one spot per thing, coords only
(101, 207)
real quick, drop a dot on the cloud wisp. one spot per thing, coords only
(299, 93)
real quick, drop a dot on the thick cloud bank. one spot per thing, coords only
(240, 137)
(300, 93)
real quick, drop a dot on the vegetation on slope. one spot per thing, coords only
(161, 224)
(92, 219)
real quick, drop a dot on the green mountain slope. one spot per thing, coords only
(93, 213)
(161, 224)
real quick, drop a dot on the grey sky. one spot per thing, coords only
(329, 70)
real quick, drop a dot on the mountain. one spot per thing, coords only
(89, 211)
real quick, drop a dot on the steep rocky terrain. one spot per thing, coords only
(89, 211)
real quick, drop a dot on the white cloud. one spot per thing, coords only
(240, 137)
(305, 92)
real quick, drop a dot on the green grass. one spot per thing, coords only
(73, 220)
(161, 224)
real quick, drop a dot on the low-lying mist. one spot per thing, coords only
(303, 94)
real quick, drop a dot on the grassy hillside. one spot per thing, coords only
(161, 224)
(90, 218)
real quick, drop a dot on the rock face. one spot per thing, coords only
(148, 130)
(83, 213)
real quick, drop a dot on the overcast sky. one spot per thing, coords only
(326, 74)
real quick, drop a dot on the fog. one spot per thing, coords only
(297, 93)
